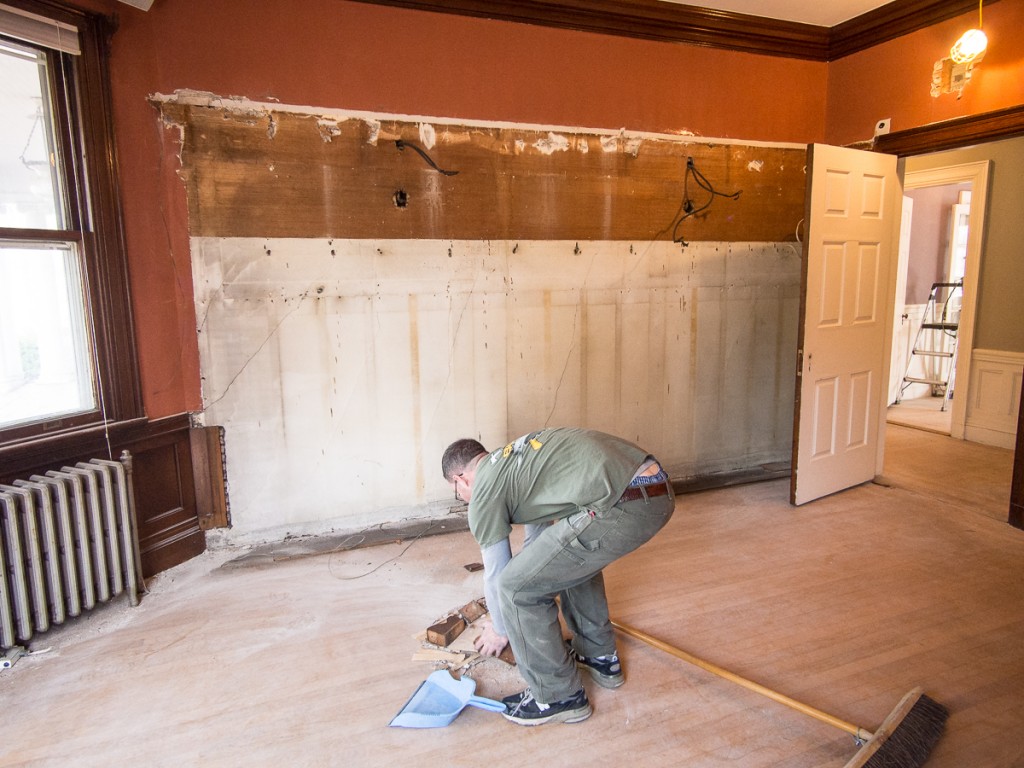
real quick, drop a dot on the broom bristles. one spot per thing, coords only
(906, 738)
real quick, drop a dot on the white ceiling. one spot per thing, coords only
(823, 13)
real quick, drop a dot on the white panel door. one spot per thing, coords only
(845, 318)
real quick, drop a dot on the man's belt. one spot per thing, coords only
(637, 492)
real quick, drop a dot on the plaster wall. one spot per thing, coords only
(341, 369)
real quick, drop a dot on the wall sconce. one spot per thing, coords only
(971, 45)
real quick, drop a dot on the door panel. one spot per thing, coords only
(843, 351)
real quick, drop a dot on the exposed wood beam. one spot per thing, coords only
(668, 22)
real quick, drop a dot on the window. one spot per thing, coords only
(67, 357)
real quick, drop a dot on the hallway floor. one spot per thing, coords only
(846, 603)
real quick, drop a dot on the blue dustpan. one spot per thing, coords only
(438, 701)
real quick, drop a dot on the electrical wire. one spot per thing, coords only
(403, 144)
(688, 206)
(343, 547)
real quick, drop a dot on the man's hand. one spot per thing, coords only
(490, 643)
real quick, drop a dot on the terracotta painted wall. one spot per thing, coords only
(894, 79)
(331, 53)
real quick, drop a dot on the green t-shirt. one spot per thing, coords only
(547, 475)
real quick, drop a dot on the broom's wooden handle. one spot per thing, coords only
(825, 717)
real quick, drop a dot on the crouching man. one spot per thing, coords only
(587, 499)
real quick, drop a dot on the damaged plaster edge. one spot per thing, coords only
(370, 245)
(440, 512)
(249, 107)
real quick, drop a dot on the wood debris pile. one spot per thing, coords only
(448, 642)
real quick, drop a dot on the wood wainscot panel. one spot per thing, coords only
(211, 478)
(165, 503)
(163, 479)
(268, 173)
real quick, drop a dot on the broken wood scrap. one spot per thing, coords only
(446, 630)
(465, 644)
(472, 610)
(435, 654)
(465, 641)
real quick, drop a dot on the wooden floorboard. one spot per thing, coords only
(845, 603)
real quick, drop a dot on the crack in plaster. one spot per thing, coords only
(255, 354)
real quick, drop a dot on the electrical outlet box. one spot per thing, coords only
(950, 77)
(882, 127)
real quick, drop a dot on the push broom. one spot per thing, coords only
(903, 740)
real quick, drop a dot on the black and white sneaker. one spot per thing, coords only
(606, 670)
(523, 709)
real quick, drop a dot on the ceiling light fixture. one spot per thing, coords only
(971, 45)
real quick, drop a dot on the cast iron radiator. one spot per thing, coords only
(68, 544)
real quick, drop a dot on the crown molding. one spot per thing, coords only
(669, 22)
(645, 20)
(893, 20)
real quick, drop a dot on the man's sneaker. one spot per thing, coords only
(522, 708)
(605, 670)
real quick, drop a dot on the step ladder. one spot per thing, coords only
(936, 340)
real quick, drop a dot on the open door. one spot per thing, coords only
(845, 320)
(902, 340)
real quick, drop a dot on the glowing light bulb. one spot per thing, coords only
(969, 47)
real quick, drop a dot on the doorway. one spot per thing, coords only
(933, 328)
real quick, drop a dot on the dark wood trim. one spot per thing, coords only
(646, 20)
(164, 482)
(113, 321)
(89, 150)
(44, 235)
(692, 24)
(953, 134)
(207, 445)
(19, 459)
(893, 20)
(1016, 517)
(164, 479)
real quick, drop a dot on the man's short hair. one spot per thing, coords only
(458, 455)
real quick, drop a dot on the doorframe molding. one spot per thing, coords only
(977, 174)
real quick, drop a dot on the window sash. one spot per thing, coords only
(92, 227)
(46, 361)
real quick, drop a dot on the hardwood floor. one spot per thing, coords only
(845, 603)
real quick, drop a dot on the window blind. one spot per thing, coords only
(32, 28)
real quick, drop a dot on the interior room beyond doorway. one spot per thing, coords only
(933, 259)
